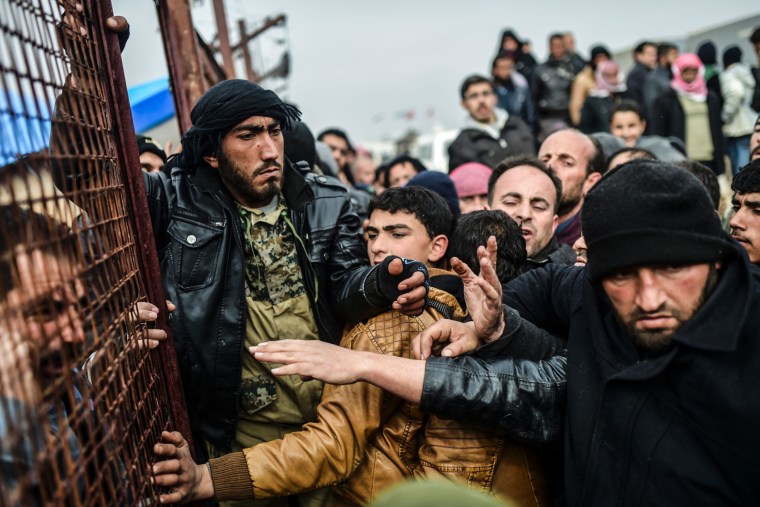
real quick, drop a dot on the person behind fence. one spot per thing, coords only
(42, 335)
(254, 248)
(656, 399)
(152, 154)
(365, 439)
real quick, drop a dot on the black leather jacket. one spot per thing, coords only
(551, 88)
(199, 238)
(516, 384)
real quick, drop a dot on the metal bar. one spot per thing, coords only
(224, 38)
(140, 218)
(183, 60)
(250, 73)
(268, 23)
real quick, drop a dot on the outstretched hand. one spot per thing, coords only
(312, 359)
(447, 338)
(178, 472)
(482, 293)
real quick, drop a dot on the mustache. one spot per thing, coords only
(755, 151)
(266, 166)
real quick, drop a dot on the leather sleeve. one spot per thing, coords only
(547, 296)
(525, 399)
(158, 205)
(521, 339)
(327, 451)
(349, 268)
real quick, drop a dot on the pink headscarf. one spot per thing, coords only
(604, 85)
(697, 89)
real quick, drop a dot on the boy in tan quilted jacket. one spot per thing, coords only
(366, 439)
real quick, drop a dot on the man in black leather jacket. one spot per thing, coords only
(228, 291)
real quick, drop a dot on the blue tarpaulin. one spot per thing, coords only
(25, 128)
(152, 104)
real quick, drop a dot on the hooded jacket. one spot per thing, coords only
(489, 144)
(738, 85)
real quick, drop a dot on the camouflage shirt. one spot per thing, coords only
(278, 308)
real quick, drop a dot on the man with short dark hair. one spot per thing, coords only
(402, 169)
(658, 81)
(344, 156)
(745, 219)
(366, 440)
(645, 55)
(578, 161)
(551, 88)
(512, 88)
(490, 134)
(530, 194)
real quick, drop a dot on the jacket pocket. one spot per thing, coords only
(459, 452)
(194, 250)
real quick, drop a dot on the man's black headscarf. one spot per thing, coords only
(222, 107)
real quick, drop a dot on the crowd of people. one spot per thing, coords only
(563, 318)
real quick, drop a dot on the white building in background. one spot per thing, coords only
(723, 35)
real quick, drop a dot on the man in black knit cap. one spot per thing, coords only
(656, 396)
(662, 372)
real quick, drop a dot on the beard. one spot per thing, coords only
(652, 342)
(255, 195)
(571, 200)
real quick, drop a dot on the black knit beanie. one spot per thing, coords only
(732, 54)
(650, 213)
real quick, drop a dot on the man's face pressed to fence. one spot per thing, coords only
(51, 296)
(250, 160)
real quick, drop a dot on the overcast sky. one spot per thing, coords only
(358, 64)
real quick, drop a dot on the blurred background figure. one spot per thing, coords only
(152, 154)
(738, 86)
(609, 90)
(584, 82)
(471, 183)
(690, 112)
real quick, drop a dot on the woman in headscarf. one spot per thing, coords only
(584, 82)
(609, 89)
(690, 112)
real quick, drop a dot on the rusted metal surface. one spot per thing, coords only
(82, 397)
(182, 57)
(224, 39)
(250, 73)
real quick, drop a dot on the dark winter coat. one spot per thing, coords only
(669, 120)
(680, 428)
(475, 144)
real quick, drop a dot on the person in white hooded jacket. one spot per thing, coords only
(737, 84)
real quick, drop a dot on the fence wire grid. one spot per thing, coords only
(82, 397)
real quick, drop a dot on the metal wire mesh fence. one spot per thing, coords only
(82, 397)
